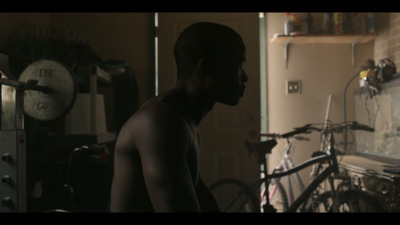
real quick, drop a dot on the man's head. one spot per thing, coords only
(218, 52)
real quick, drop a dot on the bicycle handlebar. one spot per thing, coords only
(277, 136)
(357, 126)
(334, 128)
(301, 130)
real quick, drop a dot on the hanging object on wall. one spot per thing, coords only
(373, 75)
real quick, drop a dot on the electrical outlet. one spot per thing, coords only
(293, 87)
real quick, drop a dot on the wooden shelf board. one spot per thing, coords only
(324, 39)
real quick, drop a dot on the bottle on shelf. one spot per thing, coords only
(308, 24)
(328, 25)
(338, 18)
(288, 24)
(295, 23)
(360, 23)
(348, 27)
(370, 23)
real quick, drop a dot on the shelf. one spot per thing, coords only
(352, 39)
(324, 39)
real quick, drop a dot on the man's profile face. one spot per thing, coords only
(230, 78)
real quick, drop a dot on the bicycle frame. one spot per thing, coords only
(285, 165)
(332, 168)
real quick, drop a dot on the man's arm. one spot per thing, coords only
(163, 142)
(207, 201)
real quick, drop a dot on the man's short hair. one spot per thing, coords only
(204, 39)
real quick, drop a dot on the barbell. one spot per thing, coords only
(49, 89)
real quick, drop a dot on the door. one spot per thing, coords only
(225, 129)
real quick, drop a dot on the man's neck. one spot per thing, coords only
(195, 105)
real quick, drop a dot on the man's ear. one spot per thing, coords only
(202, 66)
(205, 67)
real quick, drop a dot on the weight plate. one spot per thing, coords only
(58, 78)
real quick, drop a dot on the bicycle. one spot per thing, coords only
(340, 198)
(277, 195)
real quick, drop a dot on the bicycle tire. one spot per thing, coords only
(234, 196)
(278, 198)
(350, 201)
(60, 207)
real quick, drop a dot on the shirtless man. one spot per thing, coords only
(156, 166)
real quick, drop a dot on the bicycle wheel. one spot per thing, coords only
(65, 208)
(277, 196)
(349, 201)
(235, 196)
(58, 207)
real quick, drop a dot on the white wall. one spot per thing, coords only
(323, 69)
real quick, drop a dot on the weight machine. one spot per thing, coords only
(45, 91)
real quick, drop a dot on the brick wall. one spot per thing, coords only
(387, 44)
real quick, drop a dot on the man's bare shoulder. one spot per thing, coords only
(156, 111)
(150, 122)
(155, 115)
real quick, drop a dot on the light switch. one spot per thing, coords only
(293, 87)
